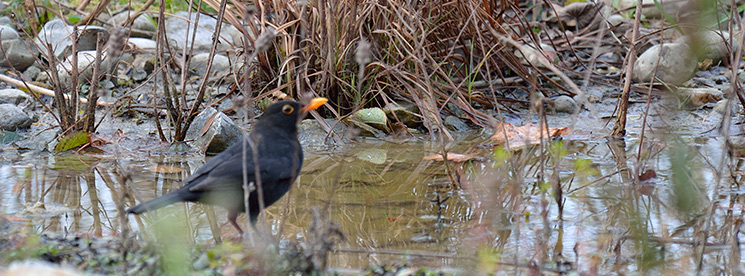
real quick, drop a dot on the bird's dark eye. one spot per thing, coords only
(287, 109)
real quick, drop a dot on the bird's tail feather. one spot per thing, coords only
(155, 203)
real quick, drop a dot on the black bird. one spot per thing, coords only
(220, 180)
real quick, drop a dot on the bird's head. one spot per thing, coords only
(286, 114)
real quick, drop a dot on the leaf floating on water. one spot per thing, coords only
(164, 169)
(71, 141)
(647, 175)
(523, 136)
(455, 157)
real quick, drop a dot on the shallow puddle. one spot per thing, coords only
(395, 206)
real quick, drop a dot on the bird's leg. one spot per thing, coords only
(232, 216)
(253, 225)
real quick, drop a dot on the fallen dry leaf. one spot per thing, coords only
(208, 124)
(455, 157)
(577, 14)
(697, 97)
(522, 136)
(647, 175)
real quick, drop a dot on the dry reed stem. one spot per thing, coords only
(42, 90)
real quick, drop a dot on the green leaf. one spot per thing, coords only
(71, 141)
(558, 150)
(74, 19)
(584, 167)
(373, 116)
(544, 187)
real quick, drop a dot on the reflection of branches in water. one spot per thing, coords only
(438, 201)
(376, 204)
(95, 212)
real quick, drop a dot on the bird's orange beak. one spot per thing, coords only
(315, 103)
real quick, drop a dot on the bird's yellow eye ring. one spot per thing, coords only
(287, 109)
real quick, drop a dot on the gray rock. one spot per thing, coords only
(222, 132)
(139, 74)
(43, 77)
(141, 27)
(109, 85)
(54, 34)
(235, 35)
(677, 63)
(57, 35)
(238, 63)
(740, 75)
(710, 44)
(617, 19)
(619, 23)
(127, 58)
(43, 141)
(536, 55)
(86, 64)
(6, 21)
(20, 53)
(586, 98)
(103, 17)
(565, 104)
(145, 62)
(366, 129)
(13, 117)
(13, 96)
(406, 112)
(7, 32)
(202, 262)
(142, 44)
(312, 136)
(220, 65)
(31, 72)
(176, 28)
(40, 267)
(721, 106)
(455, 124)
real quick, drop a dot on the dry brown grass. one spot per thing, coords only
(425, 52)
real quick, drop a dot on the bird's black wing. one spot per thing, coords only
(228, 173)
(225, 173)
(224, 158)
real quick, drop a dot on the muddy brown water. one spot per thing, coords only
(384, 196)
